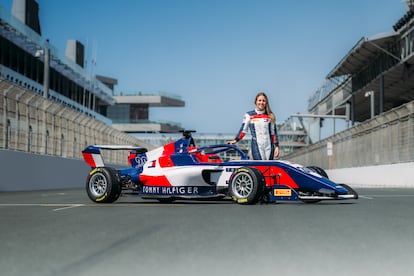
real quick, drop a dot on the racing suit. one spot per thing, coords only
(264, 134)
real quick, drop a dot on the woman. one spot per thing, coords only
(262, 124)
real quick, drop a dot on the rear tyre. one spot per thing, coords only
(246, 185)
(350, 190)
(103, 185)
(319, 171)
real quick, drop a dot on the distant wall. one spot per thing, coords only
(41, 142)
(385, 139)
(376, 153)
(386, 176)
(22, 171)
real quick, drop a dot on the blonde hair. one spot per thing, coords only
(268, 110)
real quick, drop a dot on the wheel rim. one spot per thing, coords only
(242, 185)
(98, 184)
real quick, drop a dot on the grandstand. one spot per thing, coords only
(378, 67)
(44, 92)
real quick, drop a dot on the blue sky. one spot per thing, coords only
(217, 54)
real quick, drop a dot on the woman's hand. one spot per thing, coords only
(276, 153)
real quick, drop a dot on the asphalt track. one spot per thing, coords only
(63, 233)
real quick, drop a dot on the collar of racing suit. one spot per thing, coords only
(260, 111)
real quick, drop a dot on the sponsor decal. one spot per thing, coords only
(239, 200)
(94, 171)
(158, 190)
(181, 148)
(282, 192)
(102, 197)
(153, 163)
(242, 200)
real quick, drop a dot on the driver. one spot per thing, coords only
(262, 124)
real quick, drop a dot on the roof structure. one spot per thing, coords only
(366, 49)
(30, 41)
(383, 64)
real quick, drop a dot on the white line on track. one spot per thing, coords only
(365, 197)
(383, 196)
(73, 205)
(68, 207)
(19, 204)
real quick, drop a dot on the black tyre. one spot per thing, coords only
(350, 190)
(319, 171)
(246, 185)
(103, 185)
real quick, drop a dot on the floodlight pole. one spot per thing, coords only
(46, 73)
(371, 95)
(46, 68)
(372, 105)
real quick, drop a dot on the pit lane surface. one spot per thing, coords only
(64, 233)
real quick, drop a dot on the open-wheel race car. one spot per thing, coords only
(181, 170)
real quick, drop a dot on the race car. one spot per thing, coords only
(182, 170)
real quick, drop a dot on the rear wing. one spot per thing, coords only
(92, 154)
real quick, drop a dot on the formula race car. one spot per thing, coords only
(181, 170)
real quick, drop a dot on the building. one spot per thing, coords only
(375, 76)
(372, 86)
(131, 112)
(30, 61)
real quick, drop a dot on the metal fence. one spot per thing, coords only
(385, 139)
(31, 123)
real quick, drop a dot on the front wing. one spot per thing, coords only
(285, 193)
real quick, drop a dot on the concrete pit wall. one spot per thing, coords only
(22, 171)
(41, 142)
(376, 153)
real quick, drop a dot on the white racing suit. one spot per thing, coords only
(264, 134)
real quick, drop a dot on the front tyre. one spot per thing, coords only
(103, 185)
(246, 185)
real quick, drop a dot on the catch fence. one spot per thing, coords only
(31, 123)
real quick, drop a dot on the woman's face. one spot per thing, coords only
(261, 103)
